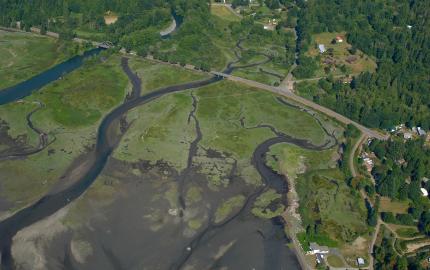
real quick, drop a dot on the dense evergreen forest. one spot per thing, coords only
(397, 34)
(138, 25)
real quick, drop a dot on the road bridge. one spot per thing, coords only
(288, 94)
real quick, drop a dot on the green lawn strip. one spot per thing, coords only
(254, 74)
(321, 239)
(335, 261)
(25, 55)
(224, 13)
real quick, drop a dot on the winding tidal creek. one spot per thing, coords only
(271, 232)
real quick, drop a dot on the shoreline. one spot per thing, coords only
(293, 223)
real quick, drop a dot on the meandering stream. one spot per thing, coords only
(107, 139)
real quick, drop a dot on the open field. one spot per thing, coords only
(354, 63)
(224, 13)
(387, 205)
(72, 110)
(24, 55)
(335, 261)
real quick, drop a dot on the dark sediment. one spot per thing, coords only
(107, 138)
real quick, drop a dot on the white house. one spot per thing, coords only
(424, 192)
(360, 261)
(321, 47)
(317, 249)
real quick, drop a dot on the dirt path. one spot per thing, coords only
(356, 146)
(372, 243)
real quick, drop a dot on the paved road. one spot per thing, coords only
(284, 92)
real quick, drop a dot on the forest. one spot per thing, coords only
(396, 34)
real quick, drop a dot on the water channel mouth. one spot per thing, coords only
(25, 88)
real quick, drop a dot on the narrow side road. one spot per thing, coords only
(357, 145)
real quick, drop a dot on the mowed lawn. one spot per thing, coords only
(225, 13)
(396, 207)
(23, 55)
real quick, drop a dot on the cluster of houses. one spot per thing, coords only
(272, 23)
(409, 133)
(368, 161)
(318, 251)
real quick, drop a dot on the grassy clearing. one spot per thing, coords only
(407, 231)
(340, 55)
(387, 205)
(155, 76)
(254, 73)
(224, 13)
(335, 261)
(99, 87)
(321, 239)
(24, 55)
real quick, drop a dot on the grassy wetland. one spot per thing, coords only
(24, 55)
(68, 112)
(194, 171)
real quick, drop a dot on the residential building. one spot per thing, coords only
(317, 249)
(339, 39)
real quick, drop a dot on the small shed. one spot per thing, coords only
(360, 261)
(421, 131)
(339, 39)
(424, 192)
(321, 47)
